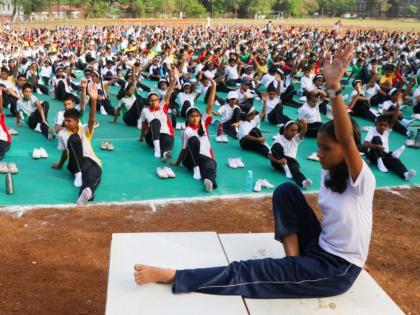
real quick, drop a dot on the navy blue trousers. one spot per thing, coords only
(315, 273)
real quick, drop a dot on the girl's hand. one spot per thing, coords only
(261, 139)
(264, 97)
(334, 70)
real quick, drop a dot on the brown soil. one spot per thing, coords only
(55, 261)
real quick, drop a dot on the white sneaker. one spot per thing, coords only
(109, 146)
(306, 183)
(219, 138)
(410, 142)
(12, 168)
(410, 174)
(78, 179)
(36, 154)
(169, 172)
(96, 125)
(232, 162)
(239, 163)
(397, 153)
(287, 171)
(42, 153)
(313, 157)
(104, 145)
(103, 111)
(416, 116)
(4, 168)
(85, 196)
(180, 125)
(197, 174)
(258, 186)
(161, 173)
(225, 139)
(166, 156)
(407, 122)
(208, 185)
(13, 132)
(381, 166)
(266, 184)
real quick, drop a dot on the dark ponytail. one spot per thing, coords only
(338, 175)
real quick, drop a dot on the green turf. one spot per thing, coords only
(129, 171)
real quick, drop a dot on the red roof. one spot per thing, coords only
(64, 8)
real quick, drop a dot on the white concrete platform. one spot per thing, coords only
(174, 250)
(365, 297)
(207, 249)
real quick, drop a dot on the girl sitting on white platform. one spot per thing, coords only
(323, 259)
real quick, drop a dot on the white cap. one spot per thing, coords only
(232, 94)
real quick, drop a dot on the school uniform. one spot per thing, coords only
(230, 115)
(252, 128)
(391, 163)
(370, 91)
(312, 115)
(30, 114)
(9, 100)
(232, 75)
(287, 91)
(5, 138)
(283, 148)
(275, 111)
(198, 150)
(63, 90)
(416, 104)
(185, 101)
(159, 127)
(332, 253)
(82, 158)
(104, 101)
(390, 106)
(131, 109)
(307, 84)
(362, 108)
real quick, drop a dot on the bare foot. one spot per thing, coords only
(148, 274)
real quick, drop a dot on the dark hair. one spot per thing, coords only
(283, 128)
(271, 88)
(67, 97)
(20, 75)
(72, 113)
(381, 118)
(4, 69)
(189, 112)
(26, 86)
(338, 175)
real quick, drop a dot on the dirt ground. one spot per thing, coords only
(55, 261)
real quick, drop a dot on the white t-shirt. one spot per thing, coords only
(347, 217)
(246, 126)
(267, 79)
(85, 136)
(384, 137)
(231, 72)
(416, 94)
(201, 89)
(387, 104)
(307, 83)
(27, 106)
(127, 102)
(182, 97)
(290, 147)
(272, 103)
(226, 112)
(311, 114)
(205, 147)
(371, 91)
(147, 115)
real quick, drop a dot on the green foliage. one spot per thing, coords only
(412, 9)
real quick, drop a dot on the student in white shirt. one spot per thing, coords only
(197, 154)
(33, 112)
(359, 104)
(185, 98)
(249, 133)
(323, 259)
(232, 71)
(274, 106)
(156, 126)
(230, 115)
(306, 81)
(310, 112)
(130, 105)
(75, 143)
(377, 145)
(284, 151)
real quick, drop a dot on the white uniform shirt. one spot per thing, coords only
(147, 115)
(416, 94)
(387, 104)
(85, 136)
(27, 106)
(231, 72)
(182, 97)
(226, 112)
(384, 137)
(347, 217)
(127, 102)
(311, 114)
(307, 83)
(290, 147)
(272, 103)
(189, 132)
(246, 126)
(371, 91)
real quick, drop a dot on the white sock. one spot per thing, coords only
(78, 179)
(306, 183)
(156, 144)
(287, 171)
(407, 122)
(381, 166)
(410, 174)
(397, 153)
(197, 174)
(38, 127)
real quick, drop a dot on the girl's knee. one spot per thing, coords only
(286, 190)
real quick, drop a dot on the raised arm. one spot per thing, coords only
(211, 98)
(174, 75)
(93, 92)
(333, 72)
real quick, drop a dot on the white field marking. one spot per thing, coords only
(20, 210)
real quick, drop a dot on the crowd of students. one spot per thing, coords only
(252, 64)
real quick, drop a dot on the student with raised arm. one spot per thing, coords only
(75, 143)
(156, 126)
(197, 154)
(323, 258)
